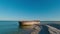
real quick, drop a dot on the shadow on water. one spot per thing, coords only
(33, 29)
(37, 30)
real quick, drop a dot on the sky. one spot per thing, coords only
(44, 10)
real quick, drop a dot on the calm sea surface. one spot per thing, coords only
(12, 27)
(8, 27)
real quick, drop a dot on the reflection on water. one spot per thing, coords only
(32, 29)
(13, 28)
(9, 27)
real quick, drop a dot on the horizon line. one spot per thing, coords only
(25, 20)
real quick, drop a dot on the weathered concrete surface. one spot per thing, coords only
(36, 29)
(44, 30)
(53, 30)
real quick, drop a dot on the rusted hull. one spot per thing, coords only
(25, 23)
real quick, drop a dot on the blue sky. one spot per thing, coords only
(44, 10)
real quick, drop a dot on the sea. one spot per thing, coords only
(12, 27)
